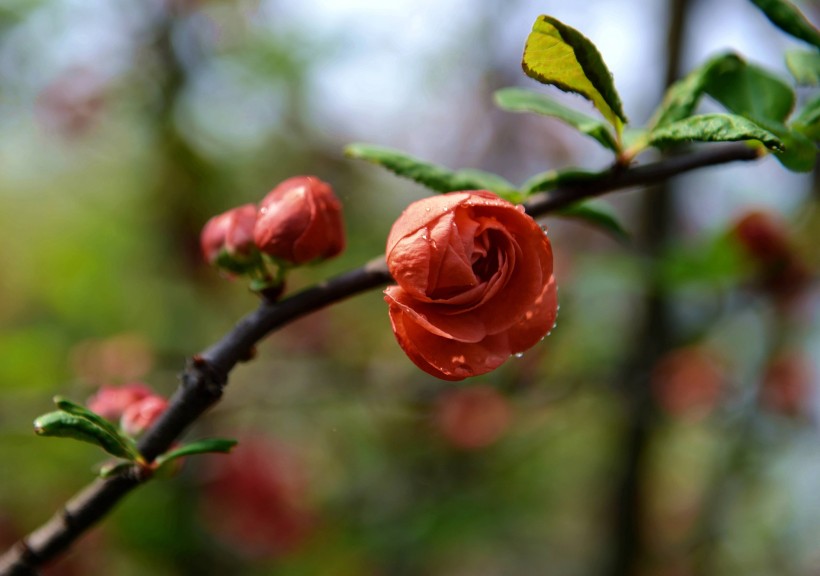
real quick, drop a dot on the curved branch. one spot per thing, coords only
(206, 374)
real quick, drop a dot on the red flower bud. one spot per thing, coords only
(300, 220)
(140, 415)
(763, 236)
(227, 239)
(786, 386)
(779, 269)
(689, 382)
(111, 401)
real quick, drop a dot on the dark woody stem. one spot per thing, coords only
(206, 374)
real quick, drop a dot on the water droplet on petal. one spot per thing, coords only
(519, 354)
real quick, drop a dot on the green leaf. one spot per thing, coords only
(553, 179)
(520, 100)
(799, 154)
(713, 128)
(804, 66)
(683, 96)
(749, 90)
(599, 215)
(432, 176)
(561, 56)
(65, 425)
(220, 445)
(81, 411)
(788, 18)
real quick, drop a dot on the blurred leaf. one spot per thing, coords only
(804, 66)
(520, 100)
(799, 154)
(561, 56)
(807, 120)
(599, 215)
(65, 425)
(717, 261)
(432, 176)
(111, 468)
(713, 128)
(788, 18)
(749, 90)
(555, 178)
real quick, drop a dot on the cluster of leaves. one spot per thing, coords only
(78, 422)
(760, 109)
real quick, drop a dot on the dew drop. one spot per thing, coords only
(529, 315)
(519, 354)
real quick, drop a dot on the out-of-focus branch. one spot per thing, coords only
(206, 374)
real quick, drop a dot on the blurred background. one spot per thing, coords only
(668, 426)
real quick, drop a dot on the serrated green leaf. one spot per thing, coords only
(788, 18)
(520, 100)
(804, 66)
(552, 179)
(65, 425)
(598, 215)
(433, 176)
(220, 445)
(561, 56)
(713, 128)
(749, 90)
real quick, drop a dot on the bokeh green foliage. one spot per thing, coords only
(101, 201)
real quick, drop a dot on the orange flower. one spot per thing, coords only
(300, 220)
(475, 283)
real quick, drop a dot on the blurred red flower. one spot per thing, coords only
(254, 499)
(472, 418)
(688, 382)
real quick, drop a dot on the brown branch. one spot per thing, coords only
(206, 374)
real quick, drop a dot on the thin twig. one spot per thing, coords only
(206, 374)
